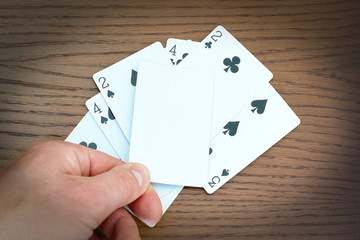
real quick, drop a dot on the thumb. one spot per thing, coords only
(115, 188)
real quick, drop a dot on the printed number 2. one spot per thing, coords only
(173, 50)
(212, 183)
(103, 82)
(217, 35)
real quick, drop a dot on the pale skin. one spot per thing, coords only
(59, 190)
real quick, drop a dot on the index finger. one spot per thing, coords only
(79, 160)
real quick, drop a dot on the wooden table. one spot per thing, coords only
(305, 187)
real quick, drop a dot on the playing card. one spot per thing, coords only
(238, 74)
(171, 123)
(263, 122)
(88, 134)
(178, 49)
(109, 126)
(117, 83)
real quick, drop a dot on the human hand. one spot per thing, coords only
(60, 190)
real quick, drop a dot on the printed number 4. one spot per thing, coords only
(97, 109)
(173, 50)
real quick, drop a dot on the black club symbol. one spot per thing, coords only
(208, 44)
(231, 64)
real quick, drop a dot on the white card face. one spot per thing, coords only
(171, 123)
(117, 83)
(262, 123)
(88, 133)
(178, 49)
(109, 126)
(238, 74)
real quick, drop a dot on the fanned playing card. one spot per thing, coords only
(239, 75)
(265, 120)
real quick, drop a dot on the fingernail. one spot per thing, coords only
(141, 174)
(150, 224)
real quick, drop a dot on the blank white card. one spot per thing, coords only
(172, 123)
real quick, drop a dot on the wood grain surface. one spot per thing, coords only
(305, 187)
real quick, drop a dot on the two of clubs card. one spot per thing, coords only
(195, 113)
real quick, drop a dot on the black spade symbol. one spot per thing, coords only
(231, 128)
(259, 106)
(104, 120)
(225, 172)
(110, 94)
